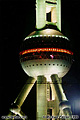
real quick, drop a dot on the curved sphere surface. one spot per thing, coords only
(46, 67)
(46, 32)
(46, 52)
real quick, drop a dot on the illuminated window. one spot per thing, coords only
(47, 50)
(46, 53)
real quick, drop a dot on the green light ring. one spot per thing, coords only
(34, 36)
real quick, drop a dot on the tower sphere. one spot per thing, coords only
(46, 52)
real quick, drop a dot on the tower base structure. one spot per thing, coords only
(52, 104)
(51, 101)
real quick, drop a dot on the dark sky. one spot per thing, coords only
(17, 21)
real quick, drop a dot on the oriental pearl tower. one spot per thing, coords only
(46, 57)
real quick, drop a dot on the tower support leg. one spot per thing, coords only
(63, 105)
(57, 84)
(25, 91)
(16, 107)
(41, 98)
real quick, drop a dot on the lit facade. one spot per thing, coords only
(46, 56)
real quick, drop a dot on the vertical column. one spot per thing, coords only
(41, 98)
(48, 99)
(59, 14)
(53, 91)
(54, 15)
(55, 109)
(48, 91)
(40, 14)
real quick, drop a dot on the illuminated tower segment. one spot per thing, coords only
(46, 57)
(40, 14)
(46, 7)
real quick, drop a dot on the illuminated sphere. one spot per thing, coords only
(46, 52)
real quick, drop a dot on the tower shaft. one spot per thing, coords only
(40, 14)
(48, 12)
(41, 98)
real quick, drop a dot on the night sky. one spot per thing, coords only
(17, 20)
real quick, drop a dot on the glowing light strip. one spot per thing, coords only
(46, 50)
(33, 36)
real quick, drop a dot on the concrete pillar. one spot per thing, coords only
(41, 98)
(54, 15)
(48, 91)
(40, 14)
(59, 14)
(25, 91)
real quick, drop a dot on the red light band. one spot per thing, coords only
(46, 50)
